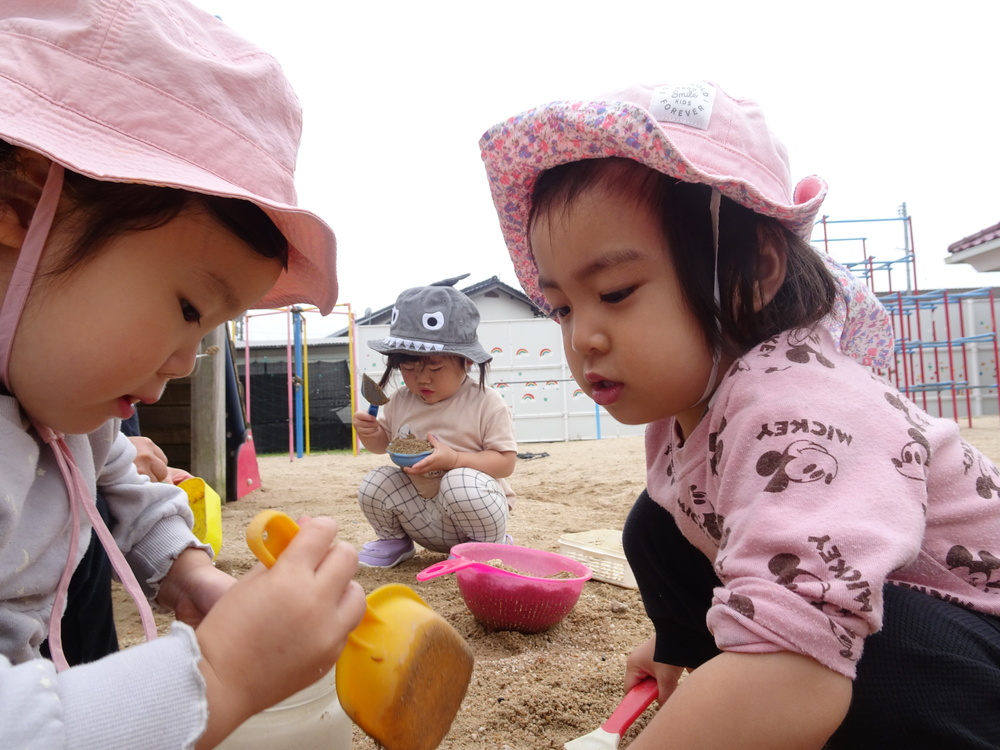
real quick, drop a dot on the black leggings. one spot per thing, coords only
(88, 624)
(930, 679)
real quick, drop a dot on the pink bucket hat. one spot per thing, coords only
(160, 92)
(694, 133)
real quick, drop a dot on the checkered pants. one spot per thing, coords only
(469, 507)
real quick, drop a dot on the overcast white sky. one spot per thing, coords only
(887, 101)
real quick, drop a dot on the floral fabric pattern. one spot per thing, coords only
(518, 150)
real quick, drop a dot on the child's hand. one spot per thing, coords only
(150, 460)
(192, 586)
(365, 424)
(640, 665)
(176, 476)
(277, 631)
(443, 458)
(370, 432)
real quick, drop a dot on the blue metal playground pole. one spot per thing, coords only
(299, 383)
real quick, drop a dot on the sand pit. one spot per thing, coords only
(528, 692)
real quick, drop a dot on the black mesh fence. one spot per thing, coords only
(329, 405)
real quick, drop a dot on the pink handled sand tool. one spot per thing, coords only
(609, 734)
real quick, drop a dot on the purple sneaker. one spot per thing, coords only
(386, 553)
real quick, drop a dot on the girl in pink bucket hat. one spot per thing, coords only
(821, 555)
(146, 197)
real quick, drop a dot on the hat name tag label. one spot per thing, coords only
(684, 104)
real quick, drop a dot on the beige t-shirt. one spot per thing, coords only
(471, 420)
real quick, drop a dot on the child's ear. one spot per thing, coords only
(12, 231)
(20, 195)
(770, 271)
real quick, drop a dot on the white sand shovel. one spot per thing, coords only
(609, 734)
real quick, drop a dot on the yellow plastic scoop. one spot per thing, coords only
(404, 670)
(269, 533)
(206, 505)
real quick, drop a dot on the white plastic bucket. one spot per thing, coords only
(312, 719)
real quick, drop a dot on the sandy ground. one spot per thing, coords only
(528, 692)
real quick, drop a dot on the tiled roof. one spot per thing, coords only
(979, 238)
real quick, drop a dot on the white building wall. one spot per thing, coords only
(502, 307)
(530, 372)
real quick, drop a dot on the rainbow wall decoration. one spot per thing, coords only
(521, 353)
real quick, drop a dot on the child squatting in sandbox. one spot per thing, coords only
(459, 492)
(821, 554)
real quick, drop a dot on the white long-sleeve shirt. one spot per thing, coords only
(149, 696)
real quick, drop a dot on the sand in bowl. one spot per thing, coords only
(409, 446)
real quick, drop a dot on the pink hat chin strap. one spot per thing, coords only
(79, 493)
(713, 377)
(79, 497)
(26, 267)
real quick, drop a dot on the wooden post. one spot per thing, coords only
(208, 414)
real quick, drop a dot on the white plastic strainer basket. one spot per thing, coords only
(601, 551)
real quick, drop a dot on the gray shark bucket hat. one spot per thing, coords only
(433, 320)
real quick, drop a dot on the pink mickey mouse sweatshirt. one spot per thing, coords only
(809, 483)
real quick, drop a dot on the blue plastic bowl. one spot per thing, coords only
(408, 459)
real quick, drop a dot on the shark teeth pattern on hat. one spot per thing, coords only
(395, 342)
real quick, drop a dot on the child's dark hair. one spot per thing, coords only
(806, 295)
(395, 359)
(103, 210)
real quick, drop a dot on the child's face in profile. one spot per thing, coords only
(435, 378)
(631, 341)
(110, 333)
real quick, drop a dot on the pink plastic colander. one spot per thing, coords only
(503, 600)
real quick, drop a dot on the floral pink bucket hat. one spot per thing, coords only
(694, 133)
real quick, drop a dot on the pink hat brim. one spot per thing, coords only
(120, 111)
(516, 151)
